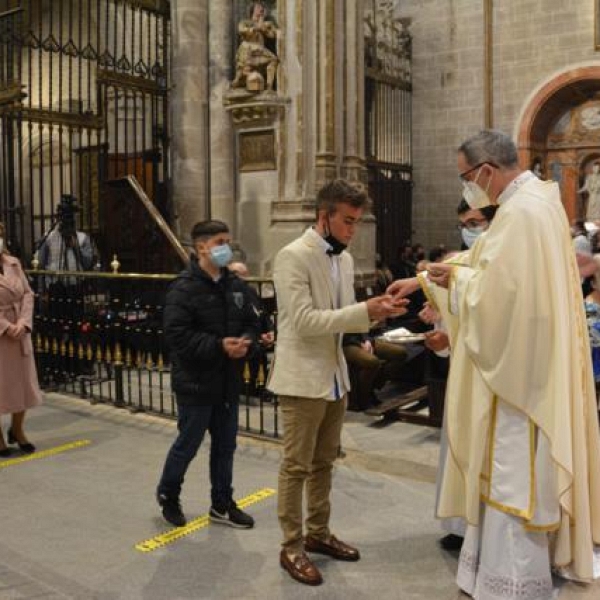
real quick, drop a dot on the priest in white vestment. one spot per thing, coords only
(524, 462)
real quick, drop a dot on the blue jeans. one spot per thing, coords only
(222, 423)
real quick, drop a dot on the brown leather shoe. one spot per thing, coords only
(334, 548)
(301, 568)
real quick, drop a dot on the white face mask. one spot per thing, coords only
(475, 196)
(469, 236)
(596, 169)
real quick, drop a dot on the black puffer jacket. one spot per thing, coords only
(199, 313)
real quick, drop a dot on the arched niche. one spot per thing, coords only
(560, 128)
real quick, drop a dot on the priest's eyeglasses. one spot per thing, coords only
(463, 176)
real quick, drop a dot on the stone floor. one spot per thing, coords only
(71, 520)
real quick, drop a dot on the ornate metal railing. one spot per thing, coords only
(99, 336)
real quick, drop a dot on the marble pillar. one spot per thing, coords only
(353, 166)
(328, 100)
(353, 159)
(222, 158)
(323, 134)
(189, 111)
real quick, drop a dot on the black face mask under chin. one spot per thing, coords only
(336, 246)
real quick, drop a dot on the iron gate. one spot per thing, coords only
(84, 89)
(388, 125)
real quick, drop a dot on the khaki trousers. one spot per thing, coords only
(311, 440)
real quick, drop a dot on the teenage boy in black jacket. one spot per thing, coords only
(210, 328)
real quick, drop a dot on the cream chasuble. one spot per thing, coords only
(520, 402)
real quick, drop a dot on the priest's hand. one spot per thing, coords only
(439, 273)
(428, 314)
(403, 287)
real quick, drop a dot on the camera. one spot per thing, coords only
(65, 212)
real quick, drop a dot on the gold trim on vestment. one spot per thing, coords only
(527, 515)
(517, 512)
(552, 457)
(542, 528)
(451, 283)
(532, 453)
(491, 437)
(424, 283)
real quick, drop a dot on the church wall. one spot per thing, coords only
(533, 40)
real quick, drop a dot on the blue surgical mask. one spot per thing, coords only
(470, 235)
(221, 255)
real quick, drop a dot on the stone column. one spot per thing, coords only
(323, 133)
(353, 160)
(190, 112)
(324, 136)
(328, 101)
(222, 163)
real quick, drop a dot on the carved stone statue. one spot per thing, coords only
(253, 58)
(592, 187)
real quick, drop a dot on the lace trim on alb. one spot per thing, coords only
(468, 561)
(503, 588)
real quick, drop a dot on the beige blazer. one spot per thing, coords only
(308, 351)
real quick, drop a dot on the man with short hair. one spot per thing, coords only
(210, 328)
(314, 279)
(520, 402)
(473, 222)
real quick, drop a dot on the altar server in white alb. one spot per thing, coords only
(524, 460)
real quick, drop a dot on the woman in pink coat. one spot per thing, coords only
(19, 388)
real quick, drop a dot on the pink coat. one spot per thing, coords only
(19, 389)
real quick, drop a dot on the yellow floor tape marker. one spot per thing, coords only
(168, 537)
(44, 453)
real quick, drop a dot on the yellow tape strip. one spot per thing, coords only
(44, 453)
(168, 537)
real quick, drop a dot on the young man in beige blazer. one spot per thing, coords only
(314, 278)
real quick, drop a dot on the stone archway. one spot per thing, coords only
(558, 128)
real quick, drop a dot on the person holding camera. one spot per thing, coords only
(65, 248)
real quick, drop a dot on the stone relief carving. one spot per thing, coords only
(256, 64)
(253, 99)
(590, 117)
(579, 125)
(388, 42)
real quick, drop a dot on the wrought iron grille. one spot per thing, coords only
(84, 90)
(99, 336)
(388, 124)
